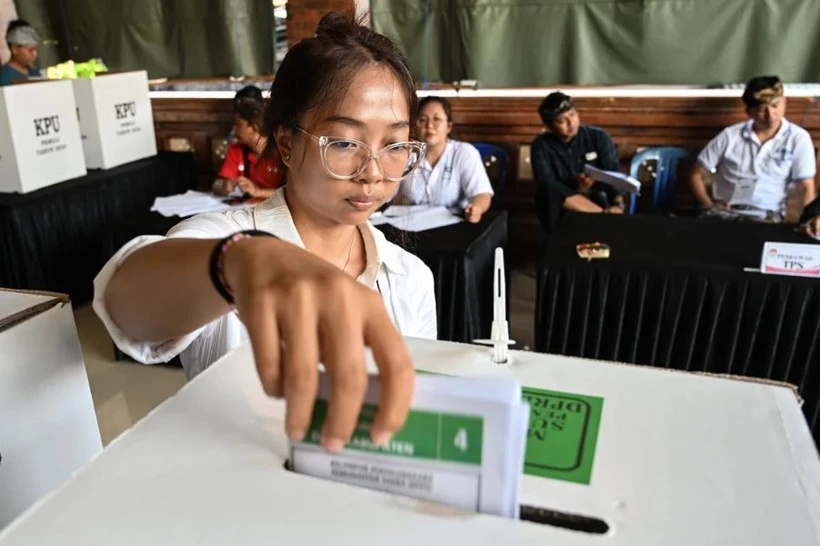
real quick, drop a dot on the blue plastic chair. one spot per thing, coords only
(666, 158)
(495, 159)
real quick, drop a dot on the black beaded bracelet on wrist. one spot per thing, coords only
(216, 264)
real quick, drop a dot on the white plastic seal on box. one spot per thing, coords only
(116, 119)
(48, 429)
(40, 142)
(644, 457)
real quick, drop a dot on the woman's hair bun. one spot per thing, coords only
(335, 24)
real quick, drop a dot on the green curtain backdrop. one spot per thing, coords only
(519, 43)
(168, 38)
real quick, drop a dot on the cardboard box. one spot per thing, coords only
(48, 428)
(643, 457)
(40, 142)
(116, 119)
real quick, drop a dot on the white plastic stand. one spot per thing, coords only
(500, 334)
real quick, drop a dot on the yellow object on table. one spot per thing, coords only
(590, 251)
(72, 70)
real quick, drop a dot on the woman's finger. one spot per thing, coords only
(300, 357)
(396, 373)
(343, 349)
(258, 312)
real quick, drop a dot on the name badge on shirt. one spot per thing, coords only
(743, 193)
(591, 156)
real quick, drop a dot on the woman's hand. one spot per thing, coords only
(472, 213)
(223, 186)
(249, 187)
(476, 208)
(300, 310)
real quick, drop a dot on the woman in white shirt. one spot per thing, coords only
(340, 122)
(452, 173)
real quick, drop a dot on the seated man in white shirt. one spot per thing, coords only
(452, 173)
(754, 162)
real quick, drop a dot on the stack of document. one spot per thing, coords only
(415, 217)
(462, 445)
(191, 203)
(619, 181)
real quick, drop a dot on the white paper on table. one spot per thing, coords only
(752, 213)
(394, 211)
(431, 218)
(619, 181)
(378, 218)
(191, 203)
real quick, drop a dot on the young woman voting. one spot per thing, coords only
(303, 275)
(452, 174)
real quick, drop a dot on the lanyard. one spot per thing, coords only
(445, 179)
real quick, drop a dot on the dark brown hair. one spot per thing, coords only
(248, 92)
(448, 110)
(318, 71)
(251, 110)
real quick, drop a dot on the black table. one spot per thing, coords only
(52, 239)
(674, 294)
(461, 256)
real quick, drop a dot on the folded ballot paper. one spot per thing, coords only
(462, 445)
(619, 181)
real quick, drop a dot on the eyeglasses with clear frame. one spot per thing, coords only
(347, 158)
(435, 121)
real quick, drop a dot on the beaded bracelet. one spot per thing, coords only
(217, 261)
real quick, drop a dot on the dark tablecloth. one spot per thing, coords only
(53, 238)
(674, 294)
(461, 256)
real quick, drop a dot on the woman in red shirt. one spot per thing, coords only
(243, 166)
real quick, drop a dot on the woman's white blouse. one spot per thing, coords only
(404, 282)
(458, 177)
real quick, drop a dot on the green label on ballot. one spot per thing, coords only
(562, 435)
(426, 435)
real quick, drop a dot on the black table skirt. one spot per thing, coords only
(674, 295)
(53, 238)
(461, 257)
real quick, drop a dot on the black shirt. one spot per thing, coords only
(556, 164)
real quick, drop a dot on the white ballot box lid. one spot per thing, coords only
(662, 458)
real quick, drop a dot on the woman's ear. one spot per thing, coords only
(449, 127)
(284, 143)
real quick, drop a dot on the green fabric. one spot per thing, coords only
(523, 43)
(168, 38)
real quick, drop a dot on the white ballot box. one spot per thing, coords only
(40, 142)
(48, 429)
(616, 455)
(116, 119)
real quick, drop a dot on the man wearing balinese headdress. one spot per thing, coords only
(754, 162)
(559, 156)
(23, 41)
